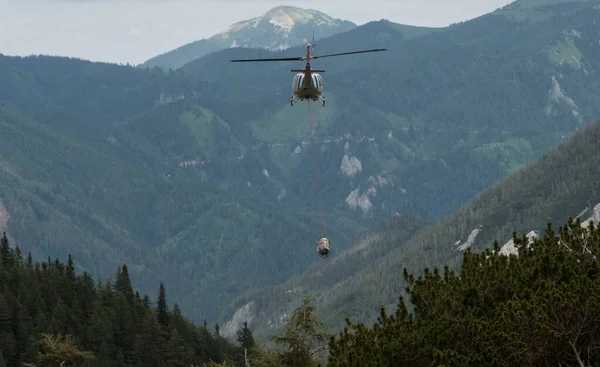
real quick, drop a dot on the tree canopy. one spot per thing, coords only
(540, 307)
(51, 316)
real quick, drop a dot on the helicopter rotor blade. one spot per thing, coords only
(275, 59)
(349, 53)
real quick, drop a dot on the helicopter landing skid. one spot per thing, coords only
(295, 98)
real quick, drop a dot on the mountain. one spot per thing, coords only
(204, 178)
(558, 186)
(277, 29)
(318, 280)
(480, 100)
(152, 180)
(470, 103)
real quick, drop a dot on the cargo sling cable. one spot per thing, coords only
(314, 148)
(323, 244)
(308, 85)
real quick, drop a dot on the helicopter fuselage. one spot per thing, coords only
(307, 85)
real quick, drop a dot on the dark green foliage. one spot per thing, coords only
(165, 171)
(162, 308)
(560, 184)
(321, 280)
(245, 337)
(5, 253)
(119, 187)
(541, 307)
(48, 313)
(463, 103)
(303, 337)
(303, 341)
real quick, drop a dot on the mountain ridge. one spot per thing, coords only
(277, 29)
(192, 170)
(555, 187)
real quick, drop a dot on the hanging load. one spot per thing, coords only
(308, 86)
(323, 247)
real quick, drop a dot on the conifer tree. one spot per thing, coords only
(540, 307)
(146, 302)
(162, 308)
(245, 337)
(303, 340)
(5, 251)
(70, 269)
(119, 330)
(123, 283)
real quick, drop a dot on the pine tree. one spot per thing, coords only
(162, 310)
(18, 255)
(245, 337)
(116, 325)
(303, 337)
(70, 270)
(123, 283)
(149, 341)
(147, 302)
(5, 251)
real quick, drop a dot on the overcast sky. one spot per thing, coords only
(133, 31)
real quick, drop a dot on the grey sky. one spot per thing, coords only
(135, 30)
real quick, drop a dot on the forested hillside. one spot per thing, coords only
(561, 184)
(123, 184)
(541, 307)
(261, 307)
(496, 93)
(51, 315)
(203, 178)
(466, 103)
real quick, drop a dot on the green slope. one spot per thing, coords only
(527, 310)
(475, 103)
(161, 185)
(52, 315)
(561, 184)
(204, 177)
(464, 101)
(264, 307)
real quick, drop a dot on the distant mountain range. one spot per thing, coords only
(278, 29)
(540, 51)
(203, 178)
(562, 184)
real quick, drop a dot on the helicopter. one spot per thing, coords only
(308, 83)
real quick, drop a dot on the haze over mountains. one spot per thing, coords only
(202, 177)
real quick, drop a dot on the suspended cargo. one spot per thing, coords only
(323, 247)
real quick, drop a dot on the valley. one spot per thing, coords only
(197, 173)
